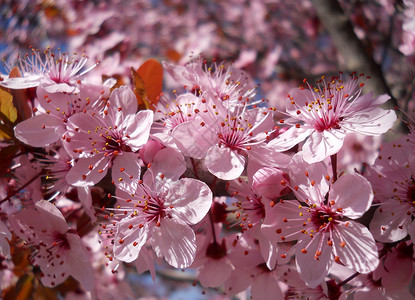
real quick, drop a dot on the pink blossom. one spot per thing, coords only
(396, 268)
(321, 229)
(97, 139)
(170, 114)
(298, 289)
(55, 108)
(357, 150)
(226, 137)
(327, 113)
(392, 178)
(212, 261)
(60, 68)
(160, 209)
(220, 82)
(251, 271)
(60, 252)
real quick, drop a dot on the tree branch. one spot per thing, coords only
(356, 58)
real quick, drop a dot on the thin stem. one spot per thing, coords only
(194, 168)
(212, 225)
(22, 187)
(348, 279)
(334, 166)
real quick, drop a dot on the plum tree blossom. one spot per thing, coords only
(327, 112)
(392, 178)
(181, 158)
(60, 252)
(160, 209)
(323, 228)
(97, 138)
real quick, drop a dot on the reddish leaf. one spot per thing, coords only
(148, 83)
(20, 100)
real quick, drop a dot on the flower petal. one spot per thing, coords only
(353, 193)
(311, 269)
(290, 138)
(192, 139)
(360, 252)
(176, 241)
(373, 121)
(128, 241)
(126, 172)
(321, 145)
(191, 199)
(40, 130)
(215, 272)
(138, 129)
(224, 163)
(88, 171)
(78, 263)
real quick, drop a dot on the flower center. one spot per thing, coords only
(60, 241)
(232, 134)
(323, 217)
(114, 144)
(216, 250)
(326, 124)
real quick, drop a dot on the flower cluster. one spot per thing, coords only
(206, 178)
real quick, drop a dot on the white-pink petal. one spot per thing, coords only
(175, 241)
(321, 145)
(374, 121)
(125, 248)
(352, 193)
(264, 286)
(290, 138)
(78, 263)
(88, 171)
(193, 139)
(224, 163)
(122, 103)
(312, 270)
(40, 130)
(126, 172)
(138, 129)
(360, 252)
(215, 272)
(191, 199)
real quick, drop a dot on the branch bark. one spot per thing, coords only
(356, 58)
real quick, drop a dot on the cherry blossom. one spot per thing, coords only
(225, 138)
(392, 178)
(60, 251)
(324, 234)
(97, 138)
(329, 111)
(61, 69)
(160, 209)
(54, 110)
